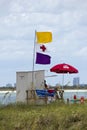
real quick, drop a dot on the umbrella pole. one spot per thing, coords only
(63, 81)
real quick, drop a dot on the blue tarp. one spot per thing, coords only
(44, 93)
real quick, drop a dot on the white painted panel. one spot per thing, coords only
(24, 82)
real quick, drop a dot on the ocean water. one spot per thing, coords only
(7, 97)
(69, 94)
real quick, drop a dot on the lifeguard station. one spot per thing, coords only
(32, 92)
(26, 88)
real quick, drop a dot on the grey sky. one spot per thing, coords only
(66, 19)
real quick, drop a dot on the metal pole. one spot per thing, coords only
(33, 61)
(63, 81)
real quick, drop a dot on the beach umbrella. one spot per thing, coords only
(63, 68)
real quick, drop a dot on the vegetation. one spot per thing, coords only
(54, 116)
(7, 88)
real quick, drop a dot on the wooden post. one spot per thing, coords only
(27, 96)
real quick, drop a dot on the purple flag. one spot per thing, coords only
(42, 58)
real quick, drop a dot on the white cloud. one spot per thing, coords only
(67, 19)
(13, 50)
(82, 52)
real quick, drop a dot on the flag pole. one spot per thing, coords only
(33, 61)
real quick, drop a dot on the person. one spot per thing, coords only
(82, 99)
(75, 97)
(56, 93)
(45, 84)
(61, 93)
(67, 100)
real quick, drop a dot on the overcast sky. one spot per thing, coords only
(66, 19)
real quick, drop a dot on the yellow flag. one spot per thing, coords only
(44, 37)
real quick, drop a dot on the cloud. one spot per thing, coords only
(19, 19)
(82, 52)
(13, 50)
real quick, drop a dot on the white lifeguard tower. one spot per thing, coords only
(26, 84)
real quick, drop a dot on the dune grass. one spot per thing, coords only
(54, 116)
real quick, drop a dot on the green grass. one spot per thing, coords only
(54, 116)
